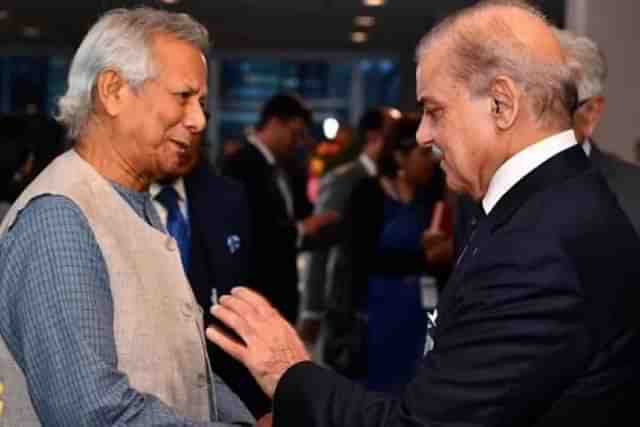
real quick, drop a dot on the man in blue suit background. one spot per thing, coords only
(208, 216)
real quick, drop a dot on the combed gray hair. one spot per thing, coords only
(121, 39)
(586, 60)
(480, 53)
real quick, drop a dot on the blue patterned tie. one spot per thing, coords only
(176, 224)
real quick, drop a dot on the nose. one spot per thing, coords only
(195, 118)
(424, 136)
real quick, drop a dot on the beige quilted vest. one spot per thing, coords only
(157, 322)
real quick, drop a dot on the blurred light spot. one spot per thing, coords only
(359, 37)
(330, 128)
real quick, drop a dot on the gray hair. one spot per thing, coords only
(485, 51)
(121, 39)
(586, 60)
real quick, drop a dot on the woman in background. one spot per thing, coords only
(389, 216)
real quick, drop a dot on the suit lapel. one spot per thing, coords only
(562, 166)
(559, 168)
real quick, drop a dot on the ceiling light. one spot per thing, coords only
(364, 21)
(31, 31)
(170, 1)
(4, 14)
(359, 37)
(374, 3)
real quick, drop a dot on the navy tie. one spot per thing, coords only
(176, 224)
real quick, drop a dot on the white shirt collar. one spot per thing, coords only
(268, 155)
(518, 166)
(178, 185)
(369, 165)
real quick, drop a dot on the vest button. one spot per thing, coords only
(187, 310)
(202, 380)
(170, 244)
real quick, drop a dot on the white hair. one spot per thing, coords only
(480, 53)
(122, 40)
(586, 60)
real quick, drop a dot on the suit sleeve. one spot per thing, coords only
(503, 353)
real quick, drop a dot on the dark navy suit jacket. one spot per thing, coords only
(538, 325)
(274, 247)
(220, 248)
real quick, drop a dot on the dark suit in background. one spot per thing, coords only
(220, 247)
(623, 178)
(273, 255)
(538, 324)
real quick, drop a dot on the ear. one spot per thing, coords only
(504, 97)
(595, 109)
(111, 91)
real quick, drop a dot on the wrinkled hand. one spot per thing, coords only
(265, 421)
(271, 345)
(314, 223)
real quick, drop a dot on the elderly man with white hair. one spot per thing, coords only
(590, 72)
(98, 323)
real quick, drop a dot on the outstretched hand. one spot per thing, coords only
(271, 345)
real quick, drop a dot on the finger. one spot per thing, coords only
(240, 307)
(254, 299)
(233, 321)
(236, 304)
(437, 217)
(230, 345)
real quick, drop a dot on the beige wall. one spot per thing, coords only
(615, 26)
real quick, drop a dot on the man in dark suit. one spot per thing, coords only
(208, 216)
(275, 230)
(590, 70)
(539, 322)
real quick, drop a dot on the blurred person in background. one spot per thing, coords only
(590, 71)
(28, 144)
(260, 165)
(327, 264)
(388, 216)
(16, 160)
